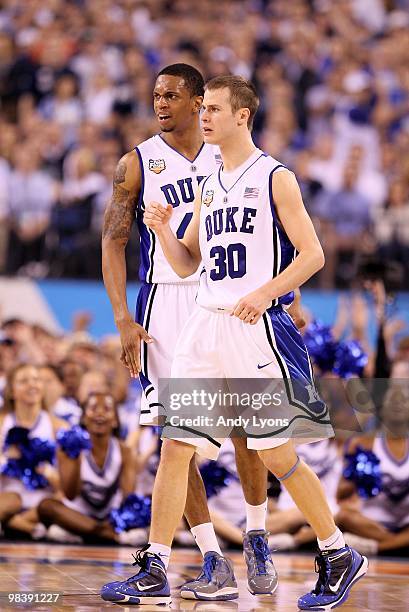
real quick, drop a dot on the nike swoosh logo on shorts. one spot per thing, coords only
(260, 367)
(145, 588)
(335, 588)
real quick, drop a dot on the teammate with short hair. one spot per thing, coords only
(168, 168)
(257, 244)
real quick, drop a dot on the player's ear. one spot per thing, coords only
(197, 103)
(243, 116)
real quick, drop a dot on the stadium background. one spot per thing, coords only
(75, 83)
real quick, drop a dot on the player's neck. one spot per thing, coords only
(186, 142)
(236, 151)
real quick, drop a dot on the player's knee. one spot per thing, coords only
(47, 510)
(174, 451)
(15, 501)
(11, 504)
(278, 464)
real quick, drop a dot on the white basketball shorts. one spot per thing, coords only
(162, 309)
(219, 350)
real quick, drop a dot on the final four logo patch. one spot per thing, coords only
(208, 197)
(157, 165)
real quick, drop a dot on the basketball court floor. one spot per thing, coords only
(77, 573)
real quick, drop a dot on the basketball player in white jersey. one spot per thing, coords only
(257, 244)
(168, 168)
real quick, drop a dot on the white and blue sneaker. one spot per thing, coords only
(338, 571)
(149, 586)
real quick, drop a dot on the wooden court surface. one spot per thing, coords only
(78, 572)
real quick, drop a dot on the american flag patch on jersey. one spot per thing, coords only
(251, 192)
(218, 158)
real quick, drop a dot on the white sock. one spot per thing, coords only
(205, 538)
(334, 542)
(162, 551)
(256, 516)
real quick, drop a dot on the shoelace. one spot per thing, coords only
(322, 568)
(140, 559)
(261, 552)
(208, 566)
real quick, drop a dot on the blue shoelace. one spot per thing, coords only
(261, 552)
(208, 566)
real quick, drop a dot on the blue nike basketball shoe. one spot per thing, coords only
(338, 571)
(149, 586)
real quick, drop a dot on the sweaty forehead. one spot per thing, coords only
(166, 82)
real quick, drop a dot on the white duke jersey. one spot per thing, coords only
(242, 243)
(169, 177)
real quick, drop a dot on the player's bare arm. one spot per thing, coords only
(300, 230)
(118, 220)
(183, 255)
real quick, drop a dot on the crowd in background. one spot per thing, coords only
(76, 82)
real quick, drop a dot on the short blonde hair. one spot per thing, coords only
(242, 94)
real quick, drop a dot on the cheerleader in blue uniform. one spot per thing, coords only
(27, 444)
(97, 473)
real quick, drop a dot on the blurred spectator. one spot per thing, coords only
(345, 222)
(31, 197)
(54, 396)
(64, 107)
(24, 411)
(381, 521)
(392, 226)
(94, 482)
(72, 373)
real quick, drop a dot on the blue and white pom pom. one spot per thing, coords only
(73, 441)
(350, 359)
(215, 477)
(321, 345)
(33, 451)
(363, 469)
(133, 513)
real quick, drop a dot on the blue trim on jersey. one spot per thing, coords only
(398, 462)
(145, 247)
(202, 186)
(143, 313)
(241, 175)
(281, 243)
(141, 193)
(181, 154)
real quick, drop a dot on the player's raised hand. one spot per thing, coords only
(252, 306)
(132, 334)
(157, 216)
